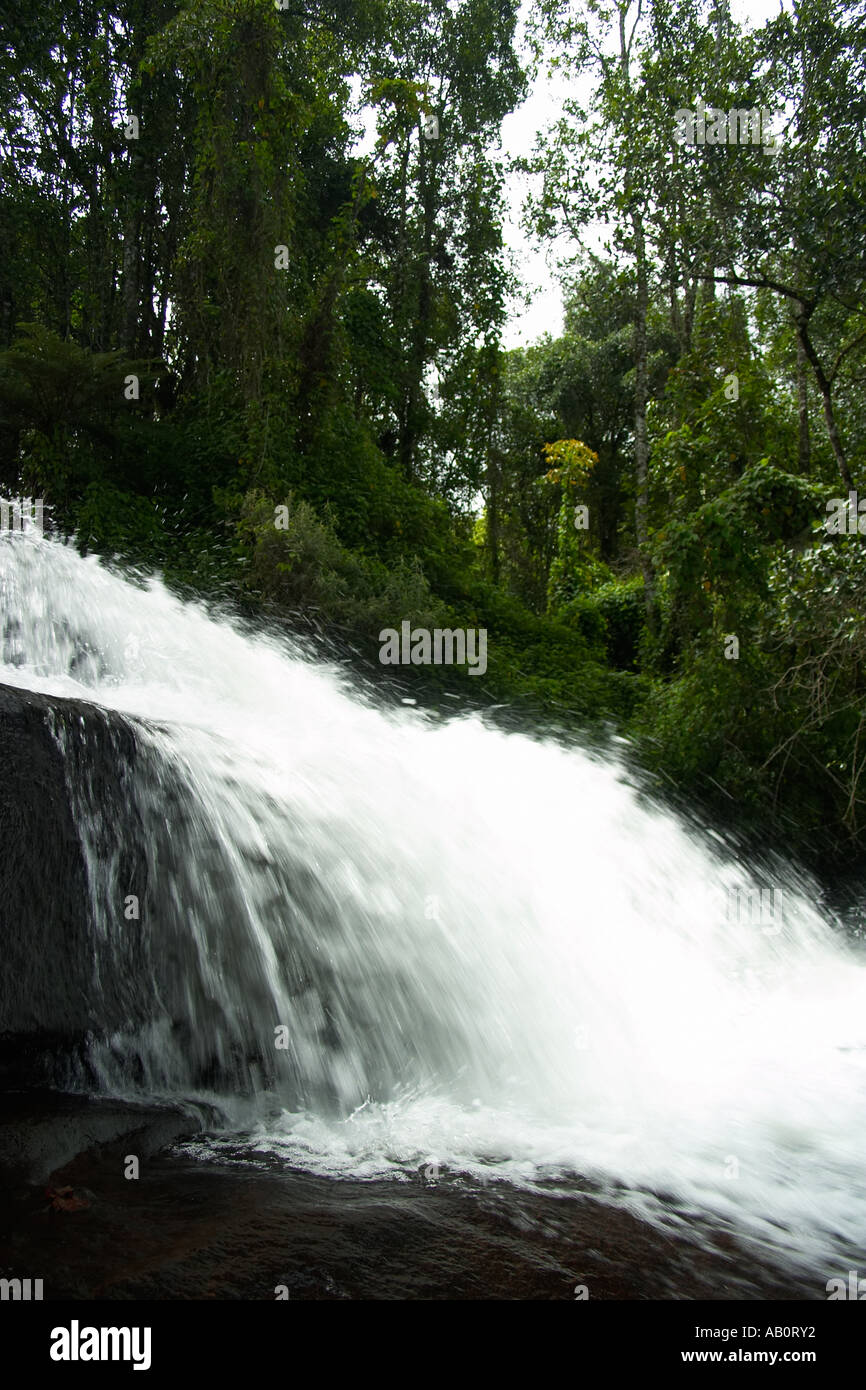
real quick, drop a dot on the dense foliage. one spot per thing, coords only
(218, 306)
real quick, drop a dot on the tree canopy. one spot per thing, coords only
(217, 301)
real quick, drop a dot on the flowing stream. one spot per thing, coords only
(379, 939)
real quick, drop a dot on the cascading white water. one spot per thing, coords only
(489, 952)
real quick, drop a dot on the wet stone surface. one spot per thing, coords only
(189, 1228)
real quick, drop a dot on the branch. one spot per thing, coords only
(844, 353)
(763, 284)
(634, 26)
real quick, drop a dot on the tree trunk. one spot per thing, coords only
(825, 387)
(414, 415)
(804, 446)
(641, 442)
(493, 476)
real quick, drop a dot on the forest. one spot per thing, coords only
(244, 348)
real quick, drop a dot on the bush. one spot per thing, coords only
(305, 569)
(613, 618)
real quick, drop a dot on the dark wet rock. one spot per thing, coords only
(192, 1228)
(40, 1133)
(87, 809)
(48, 1006)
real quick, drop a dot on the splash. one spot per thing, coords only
(384, 940)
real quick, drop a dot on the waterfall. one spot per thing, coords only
(379, 938)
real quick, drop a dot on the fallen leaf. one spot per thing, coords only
(64, 1199)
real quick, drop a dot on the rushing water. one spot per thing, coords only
(487, 953)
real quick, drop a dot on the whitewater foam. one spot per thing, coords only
(490, 952)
